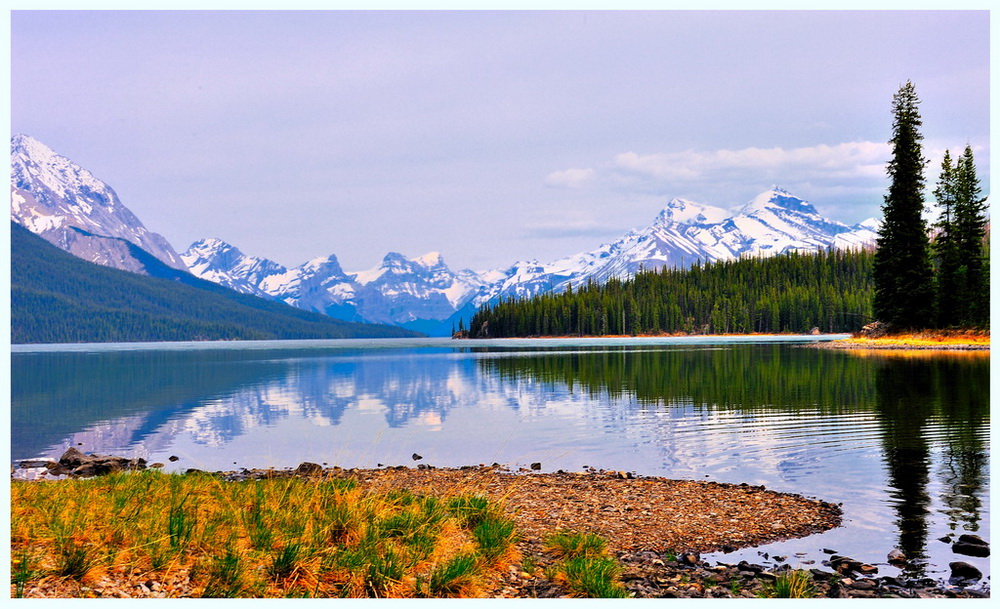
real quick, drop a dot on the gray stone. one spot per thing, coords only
(309, 469)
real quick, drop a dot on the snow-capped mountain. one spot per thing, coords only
(418, 293)
(684, 232)
(319, 285)
(66, 205)
(403, 290)
(423, 293)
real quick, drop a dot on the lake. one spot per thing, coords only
(900, 439)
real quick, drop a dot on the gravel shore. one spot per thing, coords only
(657, 529)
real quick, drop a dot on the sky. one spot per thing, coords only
(487, 136)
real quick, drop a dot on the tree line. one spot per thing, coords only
(794, 292)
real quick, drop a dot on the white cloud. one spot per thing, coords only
(570, 178)
(847, 162)
(852, 159)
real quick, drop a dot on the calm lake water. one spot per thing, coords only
(902, 442)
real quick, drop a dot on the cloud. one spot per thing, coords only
(853, 159)
(570, 178)
(850, 162)
(565, 224)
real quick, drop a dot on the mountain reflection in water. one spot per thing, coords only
(901, 442)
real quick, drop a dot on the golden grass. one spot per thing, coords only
(264, 538)
(924, 339)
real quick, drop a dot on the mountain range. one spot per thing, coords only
(56, 297)
(424, 294)
(69, 207)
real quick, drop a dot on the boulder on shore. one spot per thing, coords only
(75, 463)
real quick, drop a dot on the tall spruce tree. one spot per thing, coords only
(970, 221)
(950, 279)
(904, 288)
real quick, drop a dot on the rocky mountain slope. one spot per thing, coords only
(66, 205)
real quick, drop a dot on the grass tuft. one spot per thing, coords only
(495, 535)
(790, 584)
(576, 544)
(456, 577)
(594, 576)
(585, 568)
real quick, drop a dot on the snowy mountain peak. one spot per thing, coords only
(29, 147)
(69, 207)
(430, 260)
(682, 211)
(35, 166)
(325, 264)
(871, 224)
(777, 198)
(394, 259)
(209, 245)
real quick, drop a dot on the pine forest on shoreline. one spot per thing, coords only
(790, 293)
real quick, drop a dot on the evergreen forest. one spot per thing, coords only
(793, 292)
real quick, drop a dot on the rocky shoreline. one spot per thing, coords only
(657, 528)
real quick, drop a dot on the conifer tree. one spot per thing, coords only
(904, 289)
(950, 280)
(970, 221)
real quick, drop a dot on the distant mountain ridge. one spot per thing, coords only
(57, 297)
(69, 207)
(421, 293)
(424, 291)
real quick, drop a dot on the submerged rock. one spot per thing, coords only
(971, 545)
(963, 570)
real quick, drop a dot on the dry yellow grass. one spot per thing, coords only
(925, 339)
(193, 536)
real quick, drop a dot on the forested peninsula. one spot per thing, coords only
(791, 293)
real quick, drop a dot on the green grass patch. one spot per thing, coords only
(264, 538)
(585, 566)
(790, 584)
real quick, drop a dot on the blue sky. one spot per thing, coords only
(487, 136)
